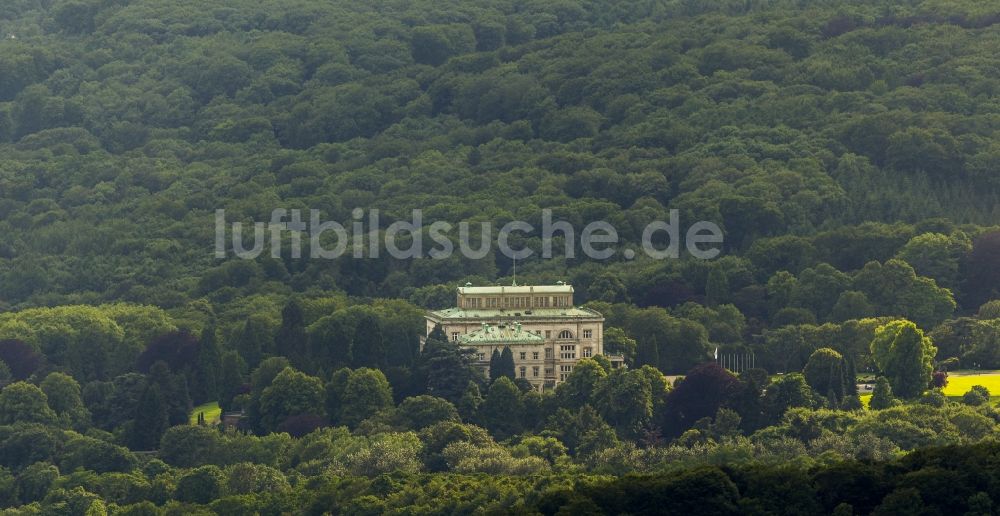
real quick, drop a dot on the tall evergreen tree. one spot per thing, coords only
(253, 340)
(446, 369)
(151, 419)
(174, 390)
(231, 378)
(882, 395)
(507, 363)
(291, 341)
(437, 334)
(648, 352)
(208, 367)
(495, 364)
(368, 345)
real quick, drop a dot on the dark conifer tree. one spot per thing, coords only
(507, 363)
(291, 340)
(368, 345)
(648, 352)
(208, 367)
(495, 365)
(151, 419)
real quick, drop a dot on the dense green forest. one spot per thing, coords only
(849, 151)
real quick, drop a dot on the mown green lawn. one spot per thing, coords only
(960, 382)
(211, 410)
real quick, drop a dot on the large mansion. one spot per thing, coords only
(540, 324)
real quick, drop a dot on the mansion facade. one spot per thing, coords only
(547, 333)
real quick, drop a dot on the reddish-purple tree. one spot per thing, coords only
(178, 349)
(21, 358)
(701, 393)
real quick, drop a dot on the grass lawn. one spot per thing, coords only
(959, 382)
(211, 410)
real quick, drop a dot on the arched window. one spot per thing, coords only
(565, 334)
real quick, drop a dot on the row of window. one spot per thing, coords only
(567, 352)
(517, 302)
(565, 334)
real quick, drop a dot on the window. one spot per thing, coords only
(523, 371)
(548, 334)
(524, 355)
(548, 353)
(567, 352)
(481, 356)
(548, 371)
(565, 334)
(534, 371)
(588, 334)
(586, 352)
(534, 355)
(454, 336)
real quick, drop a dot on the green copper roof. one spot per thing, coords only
(511, 314)
(507, 334)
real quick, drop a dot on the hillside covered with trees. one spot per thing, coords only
(849, 151)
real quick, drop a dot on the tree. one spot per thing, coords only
(905, 356)
(825, 374)
(937, 256)
(471, 400)
(787, 392)
(188, 446)
(503, 409)
(330, 340)
(434, 44)
(616, 342)
(231, 378)
(178, 350)
(506, 363)
(173, 388)
(625, 400)
(446, 369)
(201, 485)
(5, 376)
(495, 371)
(291, 393)
(63, 393)
(21, 358)
(717, 289)
(882, 395)
(24, 402)
(151, 419)
(648, 352)
(249, 478)
(255, 339)
(366, 393)
(698, 395)
(419, 412)
(583, 432)
(291, 339)
(208, 368)
(580, 386)
(990, 310)
(977, 395)
(368, 345)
